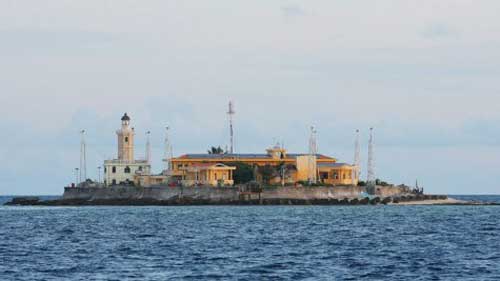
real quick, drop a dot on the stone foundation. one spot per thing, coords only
(222, 193)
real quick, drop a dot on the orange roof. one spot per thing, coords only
(208, 166)
(244, 156)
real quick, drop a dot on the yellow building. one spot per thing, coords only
(286, 167)
(214, 174)
(337, 174)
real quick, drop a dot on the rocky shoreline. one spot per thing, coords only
(187, 201)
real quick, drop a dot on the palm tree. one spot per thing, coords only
(215, 150)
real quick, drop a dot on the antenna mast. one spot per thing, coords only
(148, 148)
(313, 150)
(370, 179)
(231, 112)
(357, 169)
(168, 149)
(83, 158)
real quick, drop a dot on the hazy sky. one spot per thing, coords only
(424, 73)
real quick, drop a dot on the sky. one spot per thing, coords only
(423, 73)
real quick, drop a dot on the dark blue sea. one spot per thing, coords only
(251, 243)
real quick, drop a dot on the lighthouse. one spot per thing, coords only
(125, 140)
(125, 169)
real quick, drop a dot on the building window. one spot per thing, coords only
(140, 168)
(335, 175)
(127, 170)
(105, 170)
(113, 170)
(113, 182)
(126, 139)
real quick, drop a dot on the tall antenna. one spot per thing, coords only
(370, 179)
(168, 149)
(83, 158)
(231, 112)
(313, 150)
(148, 147)
(99, 174)
(356, 163)
(77, 176)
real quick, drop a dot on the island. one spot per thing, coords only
(223, 177)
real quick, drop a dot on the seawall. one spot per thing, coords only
(243, 195)
(149, 193)
(213, 194)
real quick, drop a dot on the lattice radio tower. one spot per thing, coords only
(83, 158)
(168, 149)
(230, 113)
(313, 151)
(357, 169)
(370, 178)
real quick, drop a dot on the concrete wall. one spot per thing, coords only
(387, 191)
(212, 193)
(312, 192)
(156, 192)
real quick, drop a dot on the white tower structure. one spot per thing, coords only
(313, 151)
(168, 150)
(125, 140)
(148, 147)
(83, 158)
(231, 113)
(125, 168)
(357, 169)
(370, 179)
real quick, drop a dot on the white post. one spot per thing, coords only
(356, 170)
(83, 157)
(148, 148)
(370, 179)
(77, 178)
(231, 112)
(99, 174)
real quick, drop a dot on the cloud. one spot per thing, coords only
(291, 11)
(437, 31)
(424, 74)
(57, 42)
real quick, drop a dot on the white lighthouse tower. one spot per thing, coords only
(125, 140)
(123, 169)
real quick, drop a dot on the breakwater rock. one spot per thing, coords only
(190, 201)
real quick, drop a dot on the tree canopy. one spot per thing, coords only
(216, 150)
(244, 172)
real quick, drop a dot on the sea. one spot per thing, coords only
(251, 242)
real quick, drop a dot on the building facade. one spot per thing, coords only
(274, 167)
(213, 174)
